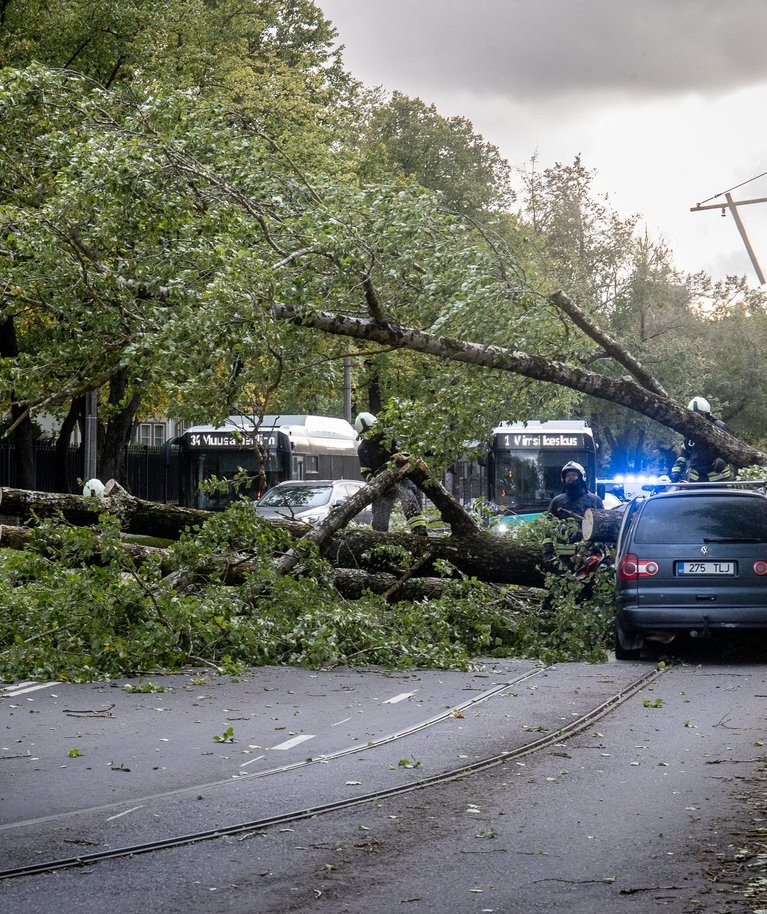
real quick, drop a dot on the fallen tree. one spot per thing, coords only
(84, 601)
(602, 526)
(350, 583)
(471, 551)
(136, 515)
(638, 391)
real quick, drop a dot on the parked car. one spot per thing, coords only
(691, 560)
(310, 502)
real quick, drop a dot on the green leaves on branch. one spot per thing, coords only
(67, 618)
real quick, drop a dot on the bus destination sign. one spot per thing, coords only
(222, 439)
(541, 440)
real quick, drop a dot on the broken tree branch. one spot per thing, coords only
(625, 391)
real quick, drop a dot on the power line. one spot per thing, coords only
(730, 189)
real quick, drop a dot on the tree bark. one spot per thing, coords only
(602, 526)
(478, 554)
(625, 391)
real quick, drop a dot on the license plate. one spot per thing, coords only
(713, 568)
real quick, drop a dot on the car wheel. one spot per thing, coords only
(627, 647)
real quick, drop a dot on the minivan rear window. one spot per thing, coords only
(698, 520)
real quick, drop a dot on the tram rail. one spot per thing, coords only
(567, 731)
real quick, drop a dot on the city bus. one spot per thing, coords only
(290, 447)
(519, 471)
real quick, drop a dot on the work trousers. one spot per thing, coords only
(405, 491)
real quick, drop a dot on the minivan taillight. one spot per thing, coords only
(631, 568)
(760, 567)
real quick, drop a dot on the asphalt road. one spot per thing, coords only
(645, 808)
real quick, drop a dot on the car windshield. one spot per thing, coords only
(727, 519)
(298, 497)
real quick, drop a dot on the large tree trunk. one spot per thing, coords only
(625, 391)
(76, 414)
(602, 526)
(137, 516)
(484, 556)
(20, 422)
(24, 444)
(473, 554)
(112, 462)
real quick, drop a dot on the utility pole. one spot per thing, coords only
(733, 205)
(90, 439)
(348, 388)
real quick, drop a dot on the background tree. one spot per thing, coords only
(153, 235)
(628, 284)
(274, 60)
(444, 154)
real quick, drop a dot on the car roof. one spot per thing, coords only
(317, 482)
(698, 491)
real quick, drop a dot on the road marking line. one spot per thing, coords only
(119, 814)
(288, 744)
(256, 759)
(401, 697)
(340, 722)
(8, 693)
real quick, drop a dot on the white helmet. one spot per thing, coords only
(573, 466)
(364, 422)
(699, 405)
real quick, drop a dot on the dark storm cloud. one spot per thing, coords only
(533, 49)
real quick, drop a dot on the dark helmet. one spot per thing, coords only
(364, 422)
(572, 466)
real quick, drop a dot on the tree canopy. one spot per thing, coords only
(202, 213)
(184, 193)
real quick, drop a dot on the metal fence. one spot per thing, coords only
(148, 477)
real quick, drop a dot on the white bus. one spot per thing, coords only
(286, 446)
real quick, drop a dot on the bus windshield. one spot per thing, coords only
(527, 479)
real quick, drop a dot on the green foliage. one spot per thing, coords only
(153, 230)
(218, 47)
(443, 154)
(755, 473)
(69, 616)
(569, 625)
(144, 688)
(575, 619)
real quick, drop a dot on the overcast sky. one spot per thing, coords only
(665, 99)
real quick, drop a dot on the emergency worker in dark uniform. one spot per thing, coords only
(574, 501)
(698, 460)
(575, 497)
(374, 456)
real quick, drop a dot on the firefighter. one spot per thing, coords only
(374, 456)
(575, 497)
(698, 460)
(574, 500)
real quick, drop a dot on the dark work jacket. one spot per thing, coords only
(373, 455)
(567, 505)
(700, 455)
